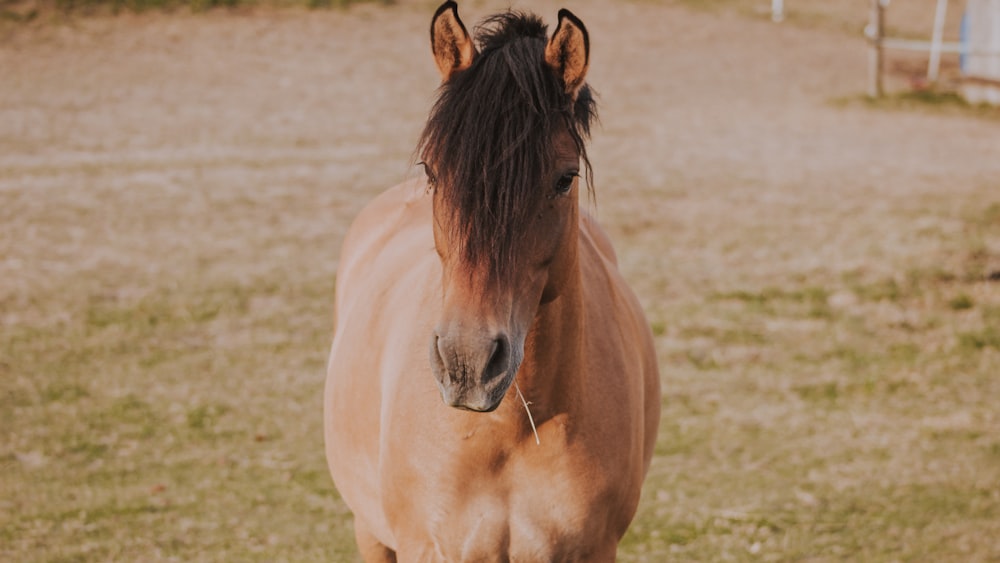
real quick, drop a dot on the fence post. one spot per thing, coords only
(876, 30)
(934, 63)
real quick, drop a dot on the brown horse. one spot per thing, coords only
(491, 267)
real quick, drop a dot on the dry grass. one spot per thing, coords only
(821, 280)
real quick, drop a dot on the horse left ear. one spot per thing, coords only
(568, 52)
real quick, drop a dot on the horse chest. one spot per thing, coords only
(526, 511)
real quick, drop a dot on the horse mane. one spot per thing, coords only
(488, 139)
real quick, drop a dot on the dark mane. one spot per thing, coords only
(488, 140)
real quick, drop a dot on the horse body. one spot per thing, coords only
(428, 482)
(436, 483)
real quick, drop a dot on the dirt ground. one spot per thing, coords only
(174, 189)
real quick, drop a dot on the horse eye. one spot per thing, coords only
(565, 183)
(431, 179)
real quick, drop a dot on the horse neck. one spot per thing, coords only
(550, 375)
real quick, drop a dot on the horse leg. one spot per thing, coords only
(372, 551)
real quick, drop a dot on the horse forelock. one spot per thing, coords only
(489, 138)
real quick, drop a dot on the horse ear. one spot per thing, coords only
(450, 42)
(568, 52)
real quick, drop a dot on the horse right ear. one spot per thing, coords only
(450, 42)
(568, 52)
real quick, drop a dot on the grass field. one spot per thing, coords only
(822, 277)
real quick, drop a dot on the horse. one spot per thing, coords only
(492, 390)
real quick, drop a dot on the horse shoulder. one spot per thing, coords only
(383, 258)
(373, 231)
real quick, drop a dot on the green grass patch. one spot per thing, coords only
(979, 340)
(907, 353)
(931, 101)
(993, 450)
(134, 398)
(148, 313)
(725, 335)
(829, 391)
(86, 451)
(961, 302)
(64, 392)
(990, 217)
(205, 417)
(128, 416)
(884, 290)
(659, 328)
(811, 302)
(772, 294)
(702, 360)
(679, 439)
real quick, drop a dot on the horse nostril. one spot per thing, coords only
(437, 358)
(499, 360)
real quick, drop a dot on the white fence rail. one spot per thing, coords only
(875, 32)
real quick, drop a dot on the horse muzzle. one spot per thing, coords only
(473, 371)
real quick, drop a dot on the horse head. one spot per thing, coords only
(502, 150)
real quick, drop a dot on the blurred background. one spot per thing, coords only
(821, 269)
